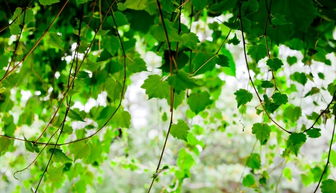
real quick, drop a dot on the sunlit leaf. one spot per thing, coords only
(243, 97)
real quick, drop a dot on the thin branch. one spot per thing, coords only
(39, 153)
(250, 77)
(172, 93)
(179, 27)
(213, 56)
(190, 24)
(121, 94)
(77, 70)
(328, 159)
(68, 89)
(17, 42)
(268, 19)
(68, 84)
(9, 24)
(53, 150)
(322, 112)
(36, 43)
(166, 36)
(156, 174)
(45, 145)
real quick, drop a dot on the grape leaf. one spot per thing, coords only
(291, 60)
(257, 52)
(199, 101)
(223, 60)
(312, 91)
(314, 133)
(274, 63)
(180, 130)
(242, 97)
(253, 161)
(292, 113)
(189, 40)
(279, 98)
(266, 84)
(294, 143)
(59, 156)
(248, 180)
(155, 87)
(328, 186)
(181, 81)
(262, 132)
(299, 77)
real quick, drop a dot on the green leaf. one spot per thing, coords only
(294, 142)
(314, 133)
(159, 34)
(299, 77)
(140, 21)
(8, 125)
(253, 161)
(80, 150)
(222, 60)
(203, 62)
(59, 156)
(155, 87)
(269, 105)
(15, 28)
(48, 2)
(248, 180)
(105, 113)
(199, 4)
(279, 98)
(76, 115)
(121, 119)
(321, 75)
(181, 81)
(333, 157)
(313, 90)
(185, 160)
(199, 101)
(242, 97)
(262, 132)
(120, 18)
(332, 88)
(111, 43)
(180, 130)
(235, 41)
(257, 52)
(231, 68)
(274, 63)
(31, 147)
(189, 40)
(266, 84)
(55, 40)
(5, 144)
(328, 186)
(136, 65)
(67, 167)
(317, 172)
(307, 179)
(291, 60)
(287, 172)
(292, 113)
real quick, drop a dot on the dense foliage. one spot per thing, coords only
(56, 53)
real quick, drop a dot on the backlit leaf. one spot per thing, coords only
(243, 97)
(262, 132)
